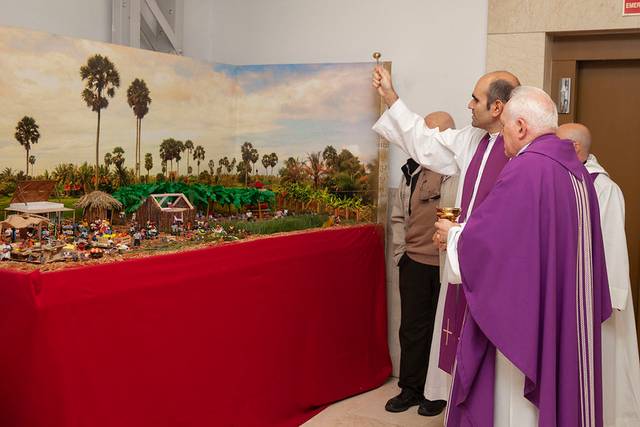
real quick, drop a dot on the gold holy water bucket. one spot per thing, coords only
(451, 214)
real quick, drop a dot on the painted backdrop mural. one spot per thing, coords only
(178, 118)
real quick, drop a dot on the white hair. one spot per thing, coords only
(535, 107)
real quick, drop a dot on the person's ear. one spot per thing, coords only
(497, 108)
(521, 128)
(576, 147)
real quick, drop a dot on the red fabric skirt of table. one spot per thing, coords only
(259, 333)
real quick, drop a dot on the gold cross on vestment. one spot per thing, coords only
(447, 332)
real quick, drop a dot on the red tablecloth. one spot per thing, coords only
(261, 333)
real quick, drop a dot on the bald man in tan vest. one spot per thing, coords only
(417, 256)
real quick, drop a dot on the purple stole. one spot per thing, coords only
(455, 304)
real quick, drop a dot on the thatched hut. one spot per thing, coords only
(98, 205)
(165, 209)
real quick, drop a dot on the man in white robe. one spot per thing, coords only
(620, 360)
(451, 152)
(438, 381)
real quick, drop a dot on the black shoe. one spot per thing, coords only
(431, 408)
(403, 401)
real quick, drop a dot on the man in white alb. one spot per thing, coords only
(620, 360)
(476, 154)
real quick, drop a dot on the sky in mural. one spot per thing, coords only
(292, 110)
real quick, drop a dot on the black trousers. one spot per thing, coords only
(419, 290)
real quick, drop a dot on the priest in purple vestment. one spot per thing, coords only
(533, 272)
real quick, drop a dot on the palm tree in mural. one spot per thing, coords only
(178, 149)
(249, 156)
(32, 162)
(273, 161)
(27, 134)
(224, 162)
(330, 156)
(148, 163)
(163, 165)
(6, 174)
(293, 171)
(84, 174)
(118, 161)
(188, 145)
(315, 168)
(138, 99)
(61, 173)
(65, 174)
(102, 79)
(108, 160)
(254, 159)
(266, 161)
(118, 157)
(165, 153)
(170, 150)
(198, 155)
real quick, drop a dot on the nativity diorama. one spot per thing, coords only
(108, 152)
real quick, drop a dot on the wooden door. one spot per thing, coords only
(608, 103)
(605, 96)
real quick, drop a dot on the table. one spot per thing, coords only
(259, 333)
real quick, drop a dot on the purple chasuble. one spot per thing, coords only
(534, 276)
(455, 304)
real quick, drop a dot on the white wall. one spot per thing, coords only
(437, 46)
(88, 19)
(91, 19)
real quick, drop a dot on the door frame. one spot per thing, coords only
(563, 52)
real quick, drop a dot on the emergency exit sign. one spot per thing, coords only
(630, 7)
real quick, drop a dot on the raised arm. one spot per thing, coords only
(442, 152)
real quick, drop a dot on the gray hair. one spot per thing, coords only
(535, 107)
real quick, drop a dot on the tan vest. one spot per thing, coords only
(419, 225)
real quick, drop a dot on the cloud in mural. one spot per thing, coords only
(289, 109)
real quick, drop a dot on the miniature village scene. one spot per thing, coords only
(130, 160)
(37, 232)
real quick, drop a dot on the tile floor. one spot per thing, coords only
(367, 410)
